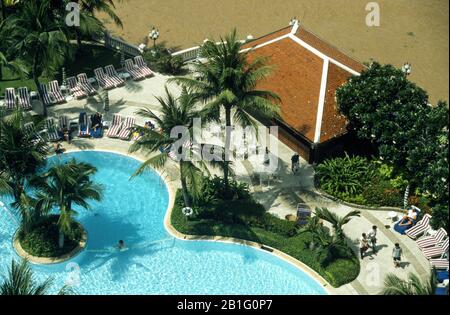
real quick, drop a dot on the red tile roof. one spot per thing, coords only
(297, 79)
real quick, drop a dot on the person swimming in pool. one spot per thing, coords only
(121, 245)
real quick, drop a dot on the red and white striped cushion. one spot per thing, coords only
(432, 240)
(24, 98)
(132, 70)
(421, 227)
(143, 66)
(47, 99)
(116, 126)
(10, 98)
(54, 88)
(74, 88)
(102, 79)
(114, 76)
(126, 131)
(437, 250)
(85, 85)
(441, 263)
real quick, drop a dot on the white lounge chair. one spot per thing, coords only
(116, 126)
(133, 70)
(51, 130)
(420, 228)
(103, 81)
(24, 98)
(56, 91)
(439, 263)
(46, 95)
(85, 85)
(114, 76)
(142, 66)
(75, 88)
(10, 98)
(433, 240)
(125, 132)
(436, 251)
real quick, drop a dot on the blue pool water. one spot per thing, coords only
(155, 263)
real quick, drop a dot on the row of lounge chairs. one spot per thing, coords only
(138, 69)
(22, 100)
(121, 128)
(51, 93)
(433, 244)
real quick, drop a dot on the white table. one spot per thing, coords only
(393, 216)
(92, 80)
(124, 75)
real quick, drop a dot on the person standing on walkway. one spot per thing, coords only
(397, 253)
(363, 245)
(295, 161)
(372, 235)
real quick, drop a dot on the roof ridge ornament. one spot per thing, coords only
(295, 25)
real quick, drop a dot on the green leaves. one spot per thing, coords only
(394, 285)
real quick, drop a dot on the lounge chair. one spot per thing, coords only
(31, 131)
(142, 66)
(85, 85)
(125, 132)
(429, 241)
(83, 125)
(421, 227)
(56, 91)
(75, 88)
(442, 275)
(436, 251)
(441, 290)
(115, 127)
(114, 76)
(63, 122)
(439, 263)
(133, 71)
(103, 81)
(52, 130)
(47, 96)
(10, 98)
(24, 98)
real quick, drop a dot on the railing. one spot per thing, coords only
(118, 44)
(188, 54)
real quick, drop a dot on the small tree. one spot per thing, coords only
(393, 285)
(336, 221)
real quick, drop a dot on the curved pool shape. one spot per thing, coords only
(155, 263)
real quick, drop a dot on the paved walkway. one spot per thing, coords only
(280, 195)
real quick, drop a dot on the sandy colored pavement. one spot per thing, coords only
(411, 30)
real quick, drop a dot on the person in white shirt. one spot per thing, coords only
(372, 236)
(397, 253)
(363, 245)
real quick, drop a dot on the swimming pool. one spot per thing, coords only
(155, 263)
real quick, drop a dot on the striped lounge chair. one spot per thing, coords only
(420, 228)
(439, 263)
(46, 95)
(63, 122)
(436, 251)
(83, 125)
(133, 71)
(103, 80)
(125, 132)
(24, 98)
(115, 127)
(142, 66)
(10, 98)
(75, 88)
(31, 131)
(114, 76)
(56, 91)
(429, 241)
(85, 85)
(51, 130)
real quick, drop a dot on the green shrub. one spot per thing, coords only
(342, 271)
(381, 193)
(162, 61)
(440, 217)
(42, 240)
(213, 190)
(344, 177)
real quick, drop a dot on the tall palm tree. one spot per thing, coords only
(336, 221)
(175, 113)
(311, 227)
(63, 186)
(38, 37)
(329, 248)
(21, 153)
(394, 285)
(20, 282)
(229, 81)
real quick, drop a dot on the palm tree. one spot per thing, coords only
(21, 153)
(313, 225)
(336, 221)
(229, 81)
(394, 285)
(328, 247)
(175, 113)
(15, 67)
(20, 282)
(65, 185)
(105, 6)
(38, 37)
(6, 4)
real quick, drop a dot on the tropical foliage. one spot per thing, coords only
(161, 60)
(19, 281)
(394, 285)
(382, 105)
(229, 81)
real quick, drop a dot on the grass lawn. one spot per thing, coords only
(338, 273)
(87, 59)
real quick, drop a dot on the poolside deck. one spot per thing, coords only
(280, 195)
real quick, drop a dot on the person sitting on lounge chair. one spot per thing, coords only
(96, 121)
(407, 222)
